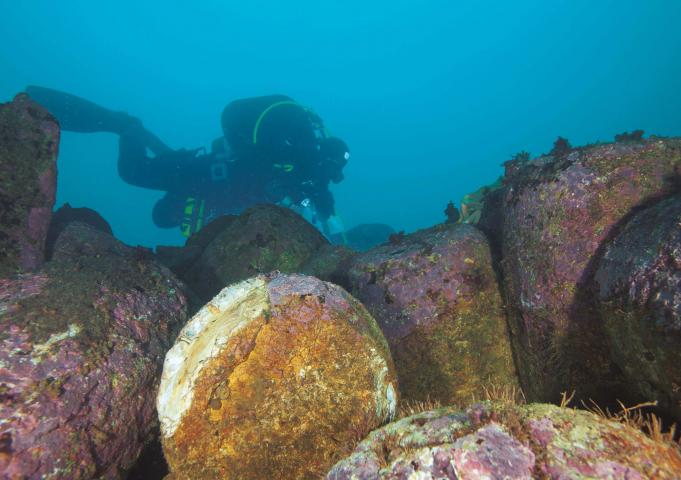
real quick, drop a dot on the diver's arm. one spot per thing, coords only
(325, 212)
(174, 171)
(323, 202)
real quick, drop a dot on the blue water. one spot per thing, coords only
(431, 96)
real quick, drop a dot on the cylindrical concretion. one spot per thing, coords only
(273, 378)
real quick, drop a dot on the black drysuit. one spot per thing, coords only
(270, 151)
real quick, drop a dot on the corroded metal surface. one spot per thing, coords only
(286, 371)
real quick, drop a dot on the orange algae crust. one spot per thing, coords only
(287, 393)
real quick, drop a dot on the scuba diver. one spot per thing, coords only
(274, 150)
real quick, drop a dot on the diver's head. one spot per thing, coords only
(334, 155)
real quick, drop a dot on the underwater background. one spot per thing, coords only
(430, 96)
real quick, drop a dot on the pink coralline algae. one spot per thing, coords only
(558, 214)
(82, 343)
(639, 289)
(504, 441)
(29, 140)
(437, 300)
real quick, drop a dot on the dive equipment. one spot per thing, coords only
(317, 124)
(264, 113)
(286, 167)
(192, 218)
(218, 171)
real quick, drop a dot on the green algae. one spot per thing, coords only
(21, 165)
(467, 347)
(83, 291)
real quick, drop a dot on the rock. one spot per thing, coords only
(81, 348)
(330, 263)
(639, 280)
(558, 213)
(29, 140)
(178, 259)
(151, 464)
(364, 236)
(437, 300)
(270, 379)
(491, 221)
(207, 234)
(181, 259)
(65, 215)
(262, 239)
(492, 440)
